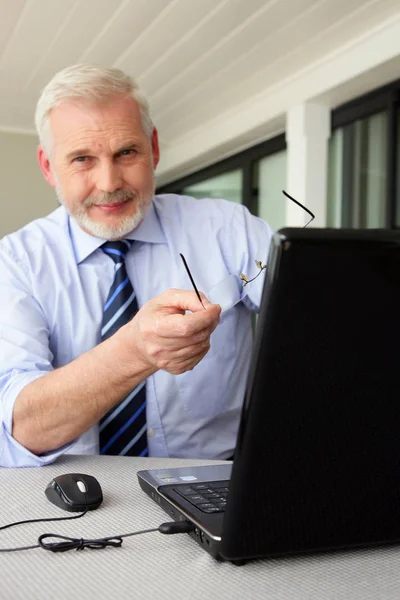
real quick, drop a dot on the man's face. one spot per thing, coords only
(101, 164)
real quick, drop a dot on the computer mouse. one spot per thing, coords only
(75, 492)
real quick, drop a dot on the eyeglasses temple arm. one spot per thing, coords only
(301, 206)
(191, 279)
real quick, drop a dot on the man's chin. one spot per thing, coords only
(108, 231)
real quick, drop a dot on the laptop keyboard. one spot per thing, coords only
(209, 497)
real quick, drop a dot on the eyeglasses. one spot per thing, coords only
(301, 206)
(232, 289)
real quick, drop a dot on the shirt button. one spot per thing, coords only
(150, 433)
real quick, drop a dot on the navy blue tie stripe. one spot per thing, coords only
(115, 293)
(123, 430)
(121, 435)
(117, 409)
(111, 325)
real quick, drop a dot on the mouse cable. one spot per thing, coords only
(36, 521)
(115, 541)
(42, 520)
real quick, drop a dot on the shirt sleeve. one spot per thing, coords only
(24, 355)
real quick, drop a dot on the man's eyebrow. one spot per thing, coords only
(87, 151)
(127, 146)
(76, 153)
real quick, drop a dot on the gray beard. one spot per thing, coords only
(101, 230)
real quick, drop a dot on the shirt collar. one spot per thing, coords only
(84, 244)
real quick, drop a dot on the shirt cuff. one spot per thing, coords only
(12, 453)
(13, 387)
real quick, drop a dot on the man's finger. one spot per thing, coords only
(185, 326)
(182, 300)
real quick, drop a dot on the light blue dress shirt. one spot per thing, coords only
(54, 281)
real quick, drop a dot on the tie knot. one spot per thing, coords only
(117, 250)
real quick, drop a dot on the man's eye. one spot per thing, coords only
(127, 152)
(81, 159)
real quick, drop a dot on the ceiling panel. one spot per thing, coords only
(227, 16)
(288, 65)
(130, 20)
(81, 27)
(179, 17)
(8, 20)
(327, 42)
(195, 59)
(271, 61)
(37, 28)
(258, 27)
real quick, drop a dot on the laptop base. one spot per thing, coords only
(206, 541)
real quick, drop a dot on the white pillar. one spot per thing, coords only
(307, 134)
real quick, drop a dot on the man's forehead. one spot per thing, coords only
(115, 120)
(81, 111)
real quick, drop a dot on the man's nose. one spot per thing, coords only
(109, 177)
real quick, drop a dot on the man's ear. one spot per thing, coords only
(155, 147)
(44, 164)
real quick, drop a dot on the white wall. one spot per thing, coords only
(24, 193)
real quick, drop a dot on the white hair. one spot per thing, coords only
(88, 82)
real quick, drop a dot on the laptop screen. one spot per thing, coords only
(330, 307)
(320, 429)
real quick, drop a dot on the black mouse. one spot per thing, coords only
(75, 492)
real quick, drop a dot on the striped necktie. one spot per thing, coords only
(123, 428)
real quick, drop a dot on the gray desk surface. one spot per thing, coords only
(154, 565)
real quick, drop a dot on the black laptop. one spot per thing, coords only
(317, 463)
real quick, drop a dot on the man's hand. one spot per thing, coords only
(57, 408)
(166, 337)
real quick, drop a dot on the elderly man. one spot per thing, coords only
(104, 345)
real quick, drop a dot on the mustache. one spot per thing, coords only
(110, 198)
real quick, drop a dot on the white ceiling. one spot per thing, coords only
(195, 59)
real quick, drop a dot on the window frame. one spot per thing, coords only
(383, 99)
(244, 160)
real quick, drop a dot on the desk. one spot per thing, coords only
(156, 565)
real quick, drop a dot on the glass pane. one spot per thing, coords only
(398, 172)
(357, 174)
(227, 186)
(269, 179)
(335, 176)
(376, 175)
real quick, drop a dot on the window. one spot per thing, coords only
(358, 167)
(364, 162)
(254, 177)
(269, 178)
(228, 186)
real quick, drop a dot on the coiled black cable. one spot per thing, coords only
(70, 543)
